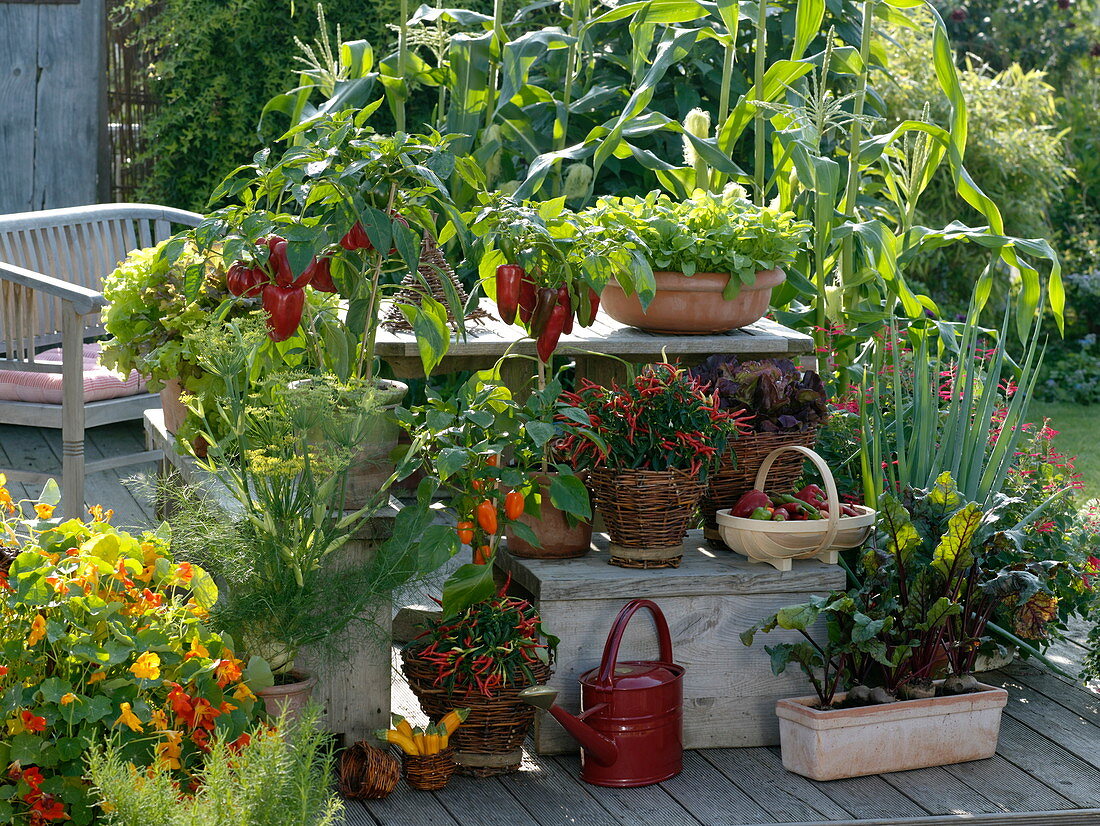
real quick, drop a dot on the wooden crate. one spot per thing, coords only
(729, 689)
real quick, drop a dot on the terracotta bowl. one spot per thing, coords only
(692, 305)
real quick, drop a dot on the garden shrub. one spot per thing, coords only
(103, 636)
(1014, 152)
(217, 63)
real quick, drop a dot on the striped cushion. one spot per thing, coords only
(45, 388)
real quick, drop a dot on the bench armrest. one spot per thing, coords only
(83, 300)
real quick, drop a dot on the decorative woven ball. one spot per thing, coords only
(368, 773)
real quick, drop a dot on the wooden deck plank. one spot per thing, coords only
(941, 792)
(552, 796)
(1071, 731)
(484, 801)
(1009, 786)
(1070, 696)
(648, 804)
(1045, 760)
(711, 797)
(409, 807)
(356, 815)
(769, 785)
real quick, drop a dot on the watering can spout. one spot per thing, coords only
(599, 748)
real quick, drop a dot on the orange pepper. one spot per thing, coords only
(482, 555)
(487, 517)
(466, 533)
(478, 485)
(493, 460)
(513, 504)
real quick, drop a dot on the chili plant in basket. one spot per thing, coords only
(779, 395)
(487, 645)
(662, 420)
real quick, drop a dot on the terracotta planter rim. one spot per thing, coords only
(709, 282)
(799, 709)
(305, 682)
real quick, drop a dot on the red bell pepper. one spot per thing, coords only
(812, 494)
(752, 500)
(284, 310)
(509, 278)
(319, 275)
(257, 278)
(528, 297)
(356, 239)
(546, 301)
(237, 279)
(277, 262)
(566, 301)
(551, 332)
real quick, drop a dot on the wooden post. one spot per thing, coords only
(54, 119)
(72, 411)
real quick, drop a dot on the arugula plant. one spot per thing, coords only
(706, 232)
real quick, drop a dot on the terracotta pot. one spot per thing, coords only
(910, 734)
(374, 463)
(289, 698)
(692, 305)
(557, 538)
(175, 412)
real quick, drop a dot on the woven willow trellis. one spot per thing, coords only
(433, 269)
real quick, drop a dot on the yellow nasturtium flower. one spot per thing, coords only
(128, 718)
(66, 699)
(43, 510)
(168, 752)
(147, 666)
(38, 630)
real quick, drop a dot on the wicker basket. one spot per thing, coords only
(777, 543)
(429, 772)
(368, 773)
(490, 741)
(732, 481)
(433, 268)
(647, 513)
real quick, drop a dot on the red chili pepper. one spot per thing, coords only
(319, 275)
(487, 517)
(356, 239)
(513, 504)
(284, 310)
(509, 278)
(528, 297)
(546, 300)
(551, 332)
(566, 302)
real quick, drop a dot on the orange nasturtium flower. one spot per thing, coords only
(32, 722)
(243, 692)
(184, 572)
(66, 699)
(128, 718)
(159, 720)
(95, 678)
(43, 510)
(168, 752)
(227, 671)
(197, 650)
(99, 515)
(38, 630)
(5, 495)
(147, 666)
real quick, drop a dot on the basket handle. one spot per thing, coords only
(830, 488)
(615, 636)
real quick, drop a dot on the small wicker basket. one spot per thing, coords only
(490, 741)
(430, 771)
(734, 479)
(647, 514)
(777, 543)
(367, 773)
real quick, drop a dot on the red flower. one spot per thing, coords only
(32, 722)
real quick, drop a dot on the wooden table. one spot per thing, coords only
(715, 594)
(599, 351)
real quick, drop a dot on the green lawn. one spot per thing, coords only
(1078, 435)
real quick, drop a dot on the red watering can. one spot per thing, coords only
(632, 713)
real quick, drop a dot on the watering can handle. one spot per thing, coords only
(611, 648)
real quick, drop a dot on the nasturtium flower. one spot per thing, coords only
(38, 630)
(32, 722)
(68, 699)
(227, 671)
(243, 692)
(147, 666)
(197, 649)
(44, 510)
(95, 678)
(159, 720)
(99, 515)
(168, 752)
(128, 718)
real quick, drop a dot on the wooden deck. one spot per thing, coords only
(1047, 768)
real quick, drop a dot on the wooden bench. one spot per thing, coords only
(52, 265)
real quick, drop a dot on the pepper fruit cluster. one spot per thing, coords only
(548, 312)
(481, 526)
(423, 741)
